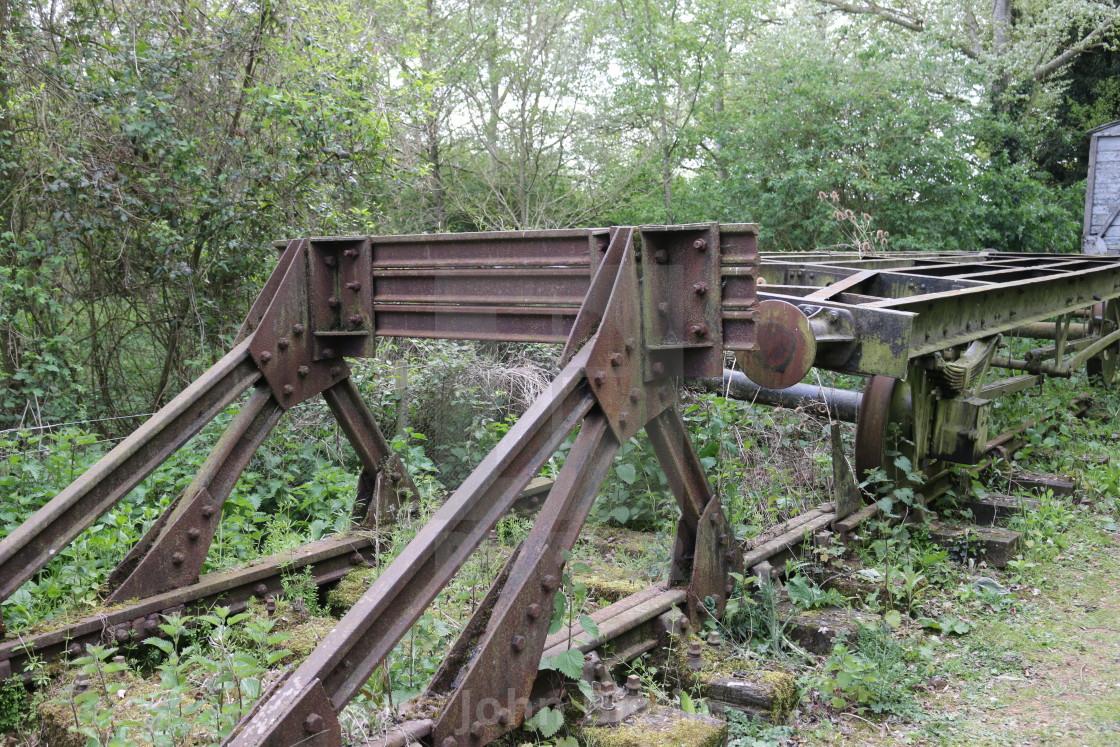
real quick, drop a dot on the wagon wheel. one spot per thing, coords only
(1106, 363)
(885, 400)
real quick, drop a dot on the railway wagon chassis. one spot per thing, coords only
(638, 310)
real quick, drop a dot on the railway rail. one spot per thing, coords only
(638, 310)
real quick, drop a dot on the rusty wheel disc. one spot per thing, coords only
(1106, 363)
(872, 423)
(785, 346)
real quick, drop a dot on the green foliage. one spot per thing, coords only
(14, 705)
(807, 595)
(751, 731)
(877, 673)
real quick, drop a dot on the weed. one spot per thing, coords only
(873, 674)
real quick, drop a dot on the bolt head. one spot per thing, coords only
(533, 611)
(623, 418)
(714, 639)
(328, 352)
(194, 534)
(329, 260)
(633, 684)
(75, 649)
(550, 582)
(700, 330)
(599, 378)
(700, 245)
(297, 329)
(661, 256)
(723, 539)
(657, 367)
(304, 371)
(354, 285)
(663, 308)
(518, 642)
(178, 558)
(351, 252)
(207, 511)
(355, 320)
(616, 359)
(635, 395)
(336, 371)
(700, 288)
(283, 343)
(265, 357)
(694, 649)
(288, 390)
(333, 302)
(260, 590)
(313, 724)
(122, 634)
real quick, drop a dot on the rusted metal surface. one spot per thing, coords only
(28, 549)
(328, 560)
(364, 636)
(392, 486)
(786, 346)
(490, 697)
(686, 477)
(871, 427)
(717, 555)
(174, 556)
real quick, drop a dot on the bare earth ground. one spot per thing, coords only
(1049, 675)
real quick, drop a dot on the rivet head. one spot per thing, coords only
(700, 288)
(357, 559)
(297, 329)
(635, 395)
(549, 582)
(328, 352)
(599, 377)
(354, 285)
(304, 371)
(723, 539)
(351, 252)
(630, 344)
(533, 611)
(283, 343)
(75, 649)
(657, 367)
(355, 320)
(194, 534)
(700, 330)
(329, 260)
(288, 390)
(623, 418)
(313, 724)
(265, 357)
(335, 372)
(207, 511)
(663, 308)
(260, 590)
(333, 302)
(178, 558)
(700, 245)
(518, 642)
(661, 256)
(616, 359)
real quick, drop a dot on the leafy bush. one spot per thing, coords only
(877, 673)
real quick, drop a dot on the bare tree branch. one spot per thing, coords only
(1091, 40)
(897, 17)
